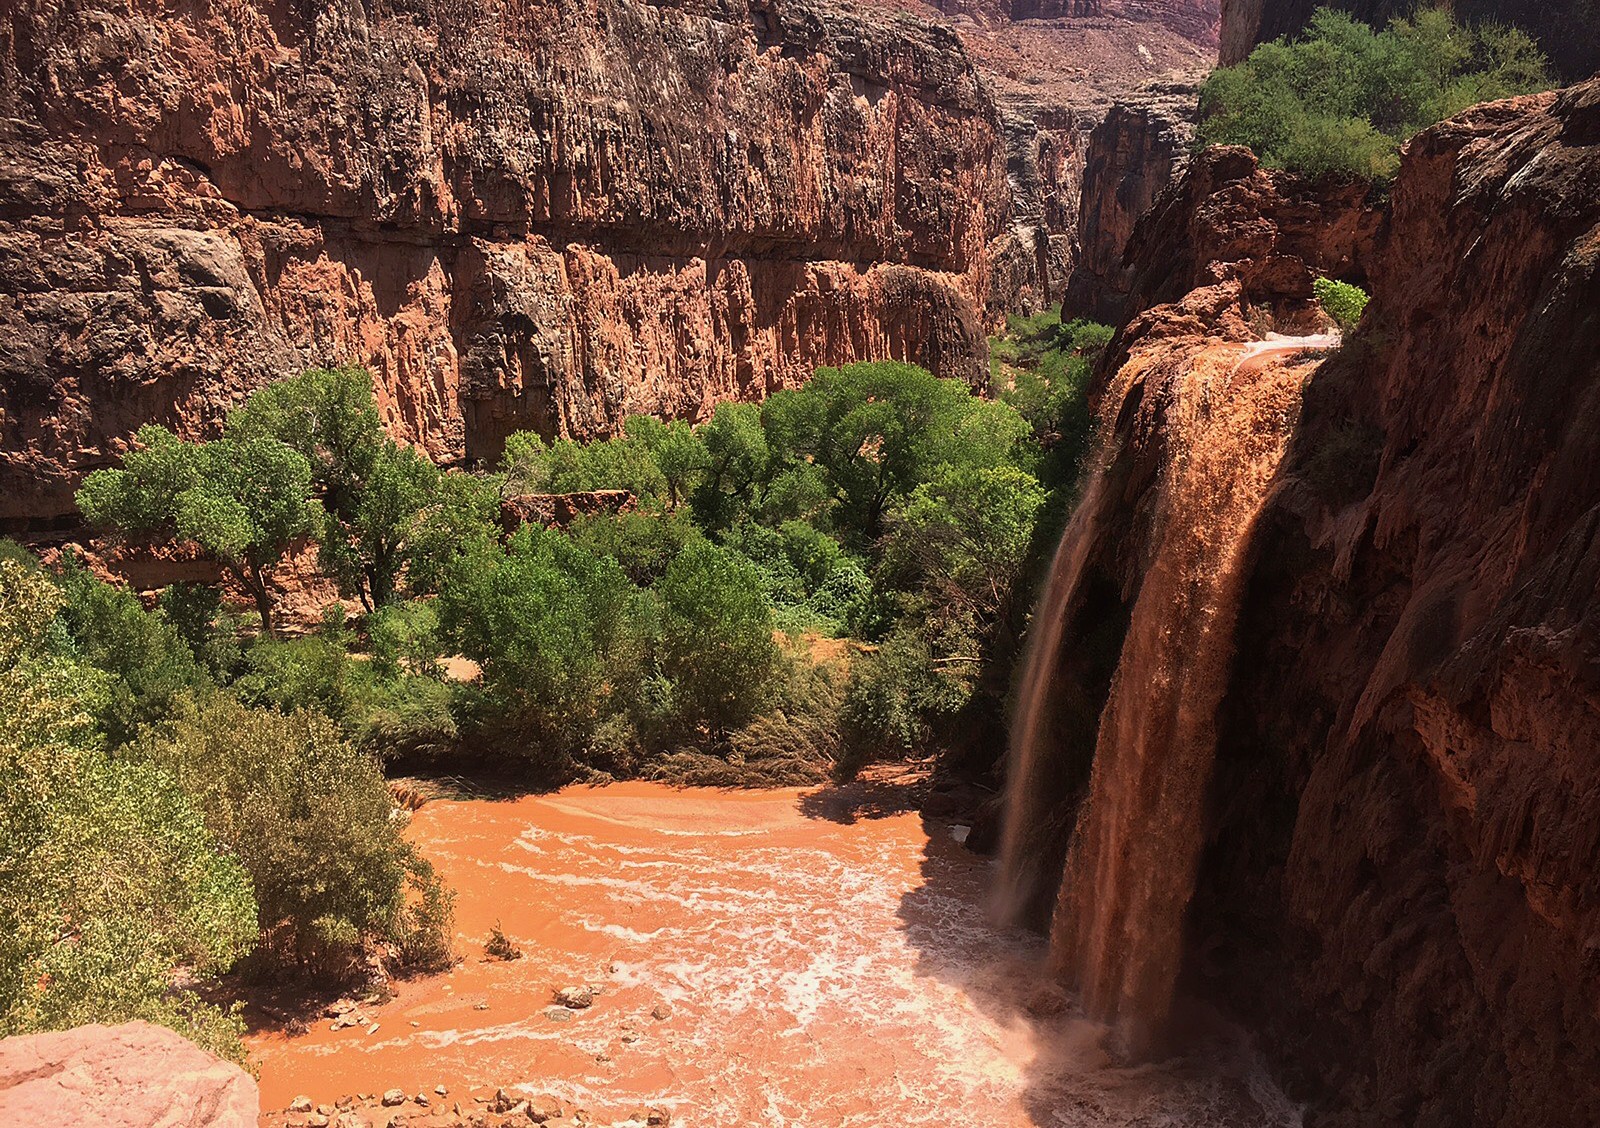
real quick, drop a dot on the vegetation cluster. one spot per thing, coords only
(196, 785)
(1343, 97)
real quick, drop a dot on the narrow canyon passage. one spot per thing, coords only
(821, 958)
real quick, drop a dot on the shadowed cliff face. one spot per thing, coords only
(519, 217)
(1399, 884)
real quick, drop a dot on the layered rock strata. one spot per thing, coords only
(1132, 156)
(540, 218)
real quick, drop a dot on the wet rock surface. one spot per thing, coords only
(1398, 887)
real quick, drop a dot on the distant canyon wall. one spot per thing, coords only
(1568, 30)
(1396, 883)
(540, 217)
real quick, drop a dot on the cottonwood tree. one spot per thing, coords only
(374, 491)
(241, 501)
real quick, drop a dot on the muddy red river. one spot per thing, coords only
(761, 958)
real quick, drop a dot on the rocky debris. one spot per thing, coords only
(300, 1104)
(576, 998)
(661, 1012)
(506, 1108)
(131, 1074)
(557, 511)
(393, 1097)
(558, 1013)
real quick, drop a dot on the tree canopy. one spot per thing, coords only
(1343, 97)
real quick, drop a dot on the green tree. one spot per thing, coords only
(108, 881)
(366, 547)
(878, 429)
(309, 818)
(738, 462)
(242, 501)
(330, 417)
(717, 643)
(963, 539)
(459, 520)
(549, 623)
(374, 491)
(1342, 98)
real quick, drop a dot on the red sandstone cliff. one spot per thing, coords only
(519, 217)
(1400, 881)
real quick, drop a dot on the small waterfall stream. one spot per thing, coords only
(1117, 930)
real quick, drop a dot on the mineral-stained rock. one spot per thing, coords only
(1273, 232)
(1400, 890)
(518, 216)
(1133, 155)
(133, 1074)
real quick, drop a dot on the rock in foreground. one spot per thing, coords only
(131, 1076)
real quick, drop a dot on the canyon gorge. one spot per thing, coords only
(1298, 819)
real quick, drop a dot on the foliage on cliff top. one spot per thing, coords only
(1343, 97)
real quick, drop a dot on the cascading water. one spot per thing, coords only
(1118, 925)
(1028, 794)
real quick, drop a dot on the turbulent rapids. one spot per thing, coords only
(766, 958)
(1117, 928)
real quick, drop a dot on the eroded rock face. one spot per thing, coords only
(1133, 155)
(1424, 799)
(1400, 891)
(135, 1074)
(540, 218)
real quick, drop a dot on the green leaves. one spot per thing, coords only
(1343, 98)
(717, 636)
(1341, 301)
(306, 815)
(107, 877)
(243, 501)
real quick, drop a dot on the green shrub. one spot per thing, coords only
(1343, 98)
(108, 879)
(148, 659)
(311, 673)
(717, 644)
(310, 819)
(1341, 301)
(885, 711)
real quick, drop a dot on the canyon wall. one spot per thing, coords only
(1397, 885)
(1132, 156)
(1568, 30)
(540, 217)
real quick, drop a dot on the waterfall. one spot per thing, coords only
(1117, 929)
(1029, 795)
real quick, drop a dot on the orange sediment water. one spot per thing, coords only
(1117, 931)
(819, 962)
